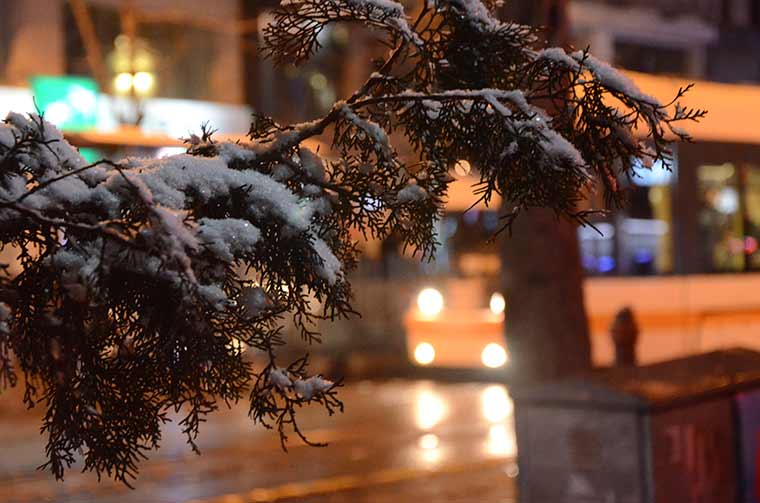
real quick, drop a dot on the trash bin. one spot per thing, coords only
(682, 431)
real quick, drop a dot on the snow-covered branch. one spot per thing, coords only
(161, 268)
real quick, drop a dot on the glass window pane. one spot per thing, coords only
(598, 249)
(752, 213)
(720, 221)
(645, 239)
(637, 241)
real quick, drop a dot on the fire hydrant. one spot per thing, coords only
(625, 333)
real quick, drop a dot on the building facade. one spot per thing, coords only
(194, 46)
(708, 39)
(166, 66)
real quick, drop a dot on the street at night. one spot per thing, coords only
(379, 251)
(398, 441)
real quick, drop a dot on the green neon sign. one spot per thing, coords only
(71, 103)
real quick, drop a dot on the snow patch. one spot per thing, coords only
(412, 194)
(280, 378)
(331, 268)
(312, 387)
(228, 238)
(612, 78)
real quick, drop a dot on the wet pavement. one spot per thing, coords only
(398, 441)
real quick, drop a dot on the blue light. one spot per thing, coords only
(643, 256)
(606, 264)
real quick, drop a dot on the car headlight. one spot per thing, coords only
(494, 356)
(497, 303)
(424, 353)
(430, 302)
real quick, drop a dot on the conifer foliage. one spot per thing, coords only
(140, 279)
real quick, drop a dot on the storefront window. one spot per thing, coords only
(752, 217)
(645, 233)
(729, 217)
(597, 246)
(637, 240)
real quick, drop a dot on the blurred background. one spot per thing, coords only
(131, 77)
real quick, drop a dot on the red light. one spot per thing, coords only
(750, 245)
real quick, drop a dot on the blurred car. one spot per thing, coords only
(454, 326)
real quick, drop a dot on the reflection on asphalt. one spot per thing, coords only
(397, 441)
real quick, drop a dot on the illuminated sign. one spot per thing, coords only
(71, 103)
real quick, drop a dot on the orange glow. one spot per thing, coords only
(727, 105)
(459, 335)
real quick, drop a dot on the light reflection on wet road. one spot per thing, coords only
(397, 441)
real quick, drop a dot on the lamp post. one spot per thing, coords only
(132, 63)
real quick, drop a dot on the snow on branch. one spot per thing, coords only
(294, 34)
(613, 79)
(476, 13)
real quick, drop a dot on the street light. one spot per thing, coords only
(143, 83)
(132, 62)
(122, 83)
(140, 83)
